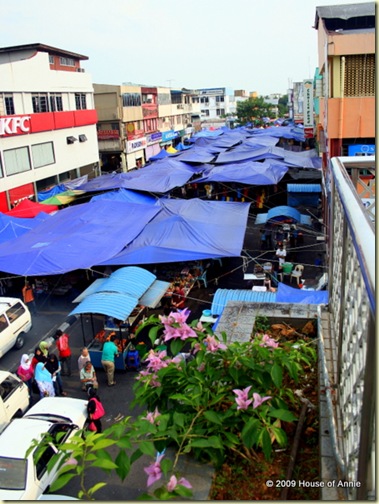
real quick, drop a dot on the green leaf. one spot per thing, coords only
(233, 438)
(95, 488)
(166, 465)
(176, 345)
(104, 464)
(61, 482)
(280, 435)
(103, 443)
(250, 432)
(265, 442)
(183, 491)
(135, 456)
(211, 442)
(178, 419)
(277, 375)
(212, 416)
(282, 414)
(147, 448)
(153, 333)
(123, 465)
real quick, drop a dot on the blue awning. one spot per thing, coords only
(222, 296)
(118, 295)
(304, 188)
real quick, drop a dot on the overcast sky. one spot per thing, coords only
(256, 45)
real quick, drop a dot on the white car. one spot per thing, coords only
(14, 397)
(26, 478)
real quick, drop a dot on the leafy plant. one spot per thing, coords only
(207, 400)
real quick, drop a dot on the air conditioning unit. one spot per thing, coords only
(81, 70)
(180, 106)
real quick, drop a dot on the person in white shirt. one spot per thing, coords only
(281, 254)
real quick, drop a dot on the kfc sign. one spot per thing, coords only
(14, 125)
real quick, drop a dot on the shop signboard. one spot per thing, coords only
(107, 134)
(153, 138)
(308, 132)
(169, 135)
(308, 104)
(361, 150)
(135, 145)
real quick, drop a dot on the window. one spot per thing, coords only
(6, 104)
(204, 99)
(51, 59)
(205, 112)
(359, 75)
(12, 473)
(3, 323)
(219, 99)
(66, 61)
(15, 311)
(131, 100)
(8, 386)
(80, 101)
(56, 103)
(43, 154)
(42, 456)
(16, 161)
(40, 103)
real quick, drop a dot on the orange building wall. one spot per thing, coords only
(358, 117)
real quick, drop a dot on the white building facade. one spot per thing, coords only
(216, 103)
(47, 121)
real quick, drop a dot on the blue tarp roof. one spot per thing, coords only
(76, 237)
(44, 195)
(188, 230)
(161, 155)
(304, 188)
(247, 172)
(13, 227)
(287, 294)
(196, 156)
(126, 195)
(284, 294)
(112, 304)
(281, 213)
(158, 177)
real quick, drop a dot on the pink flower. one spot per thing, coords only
(242, 398)
(180, 316)
(151, 416)
(154, 471)
(258, 400)
(268, 342)
(156, 361)
(173, 482)
(70, 461)
(213, 345)
(183, 332)
(199, 327)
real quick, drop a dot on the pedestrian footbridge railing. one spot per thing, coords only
(351, 249)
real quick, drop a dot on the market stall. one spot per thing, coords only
(123, 299)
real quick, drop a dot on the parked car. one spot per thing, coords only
(15, 322)
(28, 477)
(14, 398)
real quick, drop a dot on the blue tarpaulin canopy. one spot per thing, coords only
(13, 227)
(44, 195)
(287, 294)
(197, 155)
(158, 177)
(247, 172)
(188, 230)
(303, 194)
(76, 237)
(283, 214)
(126, 195)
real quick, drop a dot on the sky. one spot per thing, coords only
(255, 45)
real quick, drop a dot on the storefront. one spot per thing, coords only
(169, 137)
(135, 153)
(152, 148)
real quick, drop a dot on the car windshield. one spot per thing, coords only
(12, 473)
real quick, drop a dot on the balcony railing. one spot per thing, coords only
(352, 314)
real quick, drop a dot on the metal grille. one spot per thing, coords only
(359, 75)
(352, 325)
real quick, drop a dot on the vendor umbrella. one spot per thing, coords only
(63, 198)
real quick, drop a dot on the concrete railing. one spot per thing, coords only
(351, 245)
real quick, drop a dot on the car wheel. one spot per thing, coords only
(19, 341)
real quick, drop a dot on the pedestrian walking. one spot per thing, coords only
(54, 367)
(95, 411)
(62, 341)
(26, 372)
(28, 296)
(44, 347)
(38, 357)
(110, 352)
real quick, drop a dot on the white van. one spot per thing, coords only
(15, 321)
(14, 398)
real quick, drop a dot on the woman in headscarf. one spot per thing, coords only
(38, 357)
(54, 367)
(44, 347)
(26, 372)
(44, 380)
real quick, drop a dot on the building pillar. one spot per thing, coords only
(124, 167)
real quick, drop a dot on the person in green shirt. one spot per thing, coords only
(110, 352)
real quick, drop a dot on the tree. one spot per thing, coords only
(254, 110)
(283, 106)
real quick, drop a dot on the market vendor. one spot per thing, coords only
(178, 298)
